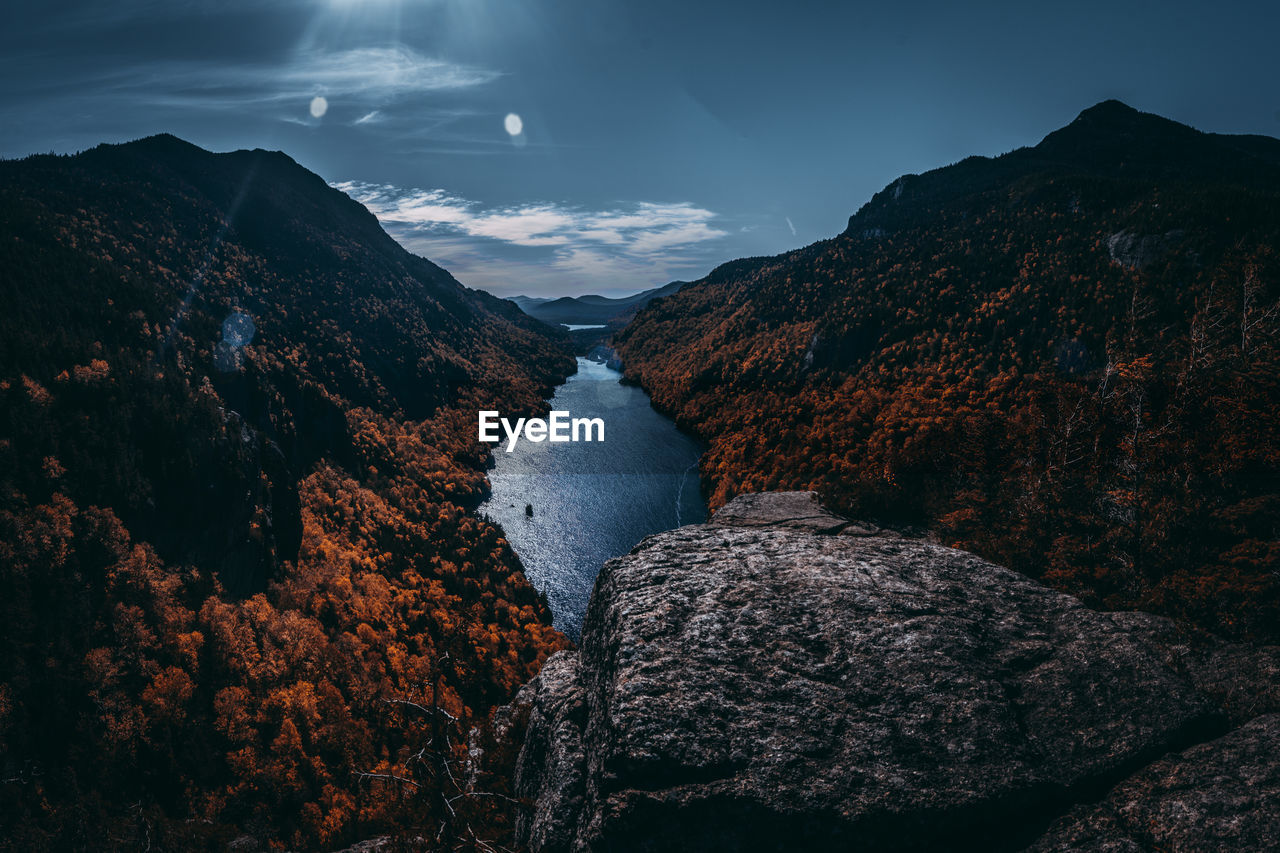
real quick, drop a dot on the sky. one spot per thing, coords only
(561, 147)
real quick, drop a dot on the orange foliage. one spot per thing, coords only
(984, 368)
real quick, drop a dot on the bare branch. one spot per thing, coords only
(390, 777)
(485, 794)
(425, 710)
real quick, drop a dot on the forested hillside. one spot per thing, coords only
(1065, 359)
(241, 588)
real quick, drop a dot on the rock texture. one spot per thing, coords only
(758, 683)
(1222, 795)
(1137, 251)
(800, 510)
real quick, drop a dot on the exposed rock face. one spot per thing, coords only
(1136, 251)
(1222, 795)
(799, 510)
(757, 683)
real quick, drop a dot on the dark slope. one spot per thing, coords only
(265, 205)
(343, 316)
(591, 309)
(237, 455)
(1064, 358)
(1110, 140)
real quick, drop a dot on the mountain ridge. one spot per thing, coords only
(967, 354)
(1107, 138)
(238, 470)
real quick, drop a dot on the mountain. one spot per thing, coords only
(237, 468)
(1109, 140)
(1066, 359)
(591, 309)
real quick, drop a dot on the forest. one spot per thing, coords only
(243, 594)
(1065, 359)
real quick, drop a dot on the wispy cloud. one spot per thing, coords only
(626, 247)
(377, 73)
(373, 77)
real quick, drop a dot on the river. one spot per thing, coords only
(593, 500)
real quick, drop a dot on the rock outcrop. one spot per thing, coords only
(779, 679)
(1222, 795)
(1137, 251)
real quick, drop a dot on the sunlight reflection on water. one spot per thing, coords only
(593, 501)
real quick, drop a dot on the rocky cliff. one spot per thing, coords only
(783, 679)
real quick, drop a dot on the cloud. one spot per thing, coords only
(375, 73)
(532, 225)
(631, 246)
(646, 228)
(372, 77)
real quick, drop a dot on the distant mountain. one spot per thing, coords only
(237, 459)
(1066, 359)
(522, 301)
(591, 309)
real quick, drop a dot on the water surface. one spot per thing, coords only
(593, 500)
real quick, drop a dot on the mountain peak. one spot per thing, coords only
(1112, 138)
(155, 142)
(171, 148)
(1111, 117)
(1108, 111)
(1109, 139)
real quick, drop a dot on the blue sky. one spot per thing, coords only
(655, 139)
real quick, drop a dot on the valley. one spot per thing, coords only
(982, 489)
